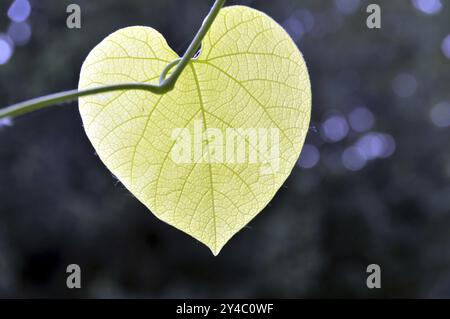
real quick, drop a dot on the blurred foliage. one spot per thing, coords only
(59, 205)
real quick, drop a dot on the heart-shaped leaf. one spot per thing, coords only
(249, 77)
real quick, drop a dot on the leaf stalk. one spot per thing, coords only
(165, 85)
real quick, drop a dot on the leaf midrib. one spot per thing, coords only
(202, 107)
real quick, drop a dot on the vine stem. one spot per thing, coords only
(165, 85)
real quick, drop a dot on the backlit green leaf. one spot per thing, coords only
(249, 75)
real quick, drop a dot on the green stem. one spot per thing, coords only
(169, 67)
(164, 86)
(195, 44)
(56, 98)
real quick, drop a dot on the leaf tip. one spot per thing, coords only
(215, 252)
(215, 249)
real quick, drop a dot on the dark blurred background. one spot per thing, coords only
(371, 186)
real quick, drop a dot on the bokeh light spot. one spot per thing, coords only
(405, 85)
(7, 121)
(309, 157)
(307, 19)
(347, 6)
(361, 119)
(295, 28)
(353, 159)
(430, 7)
(335, 128)
(19, 32)
(6, 50)
(446, 46)
(19, 10)
(376, 145)
(440, 114)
